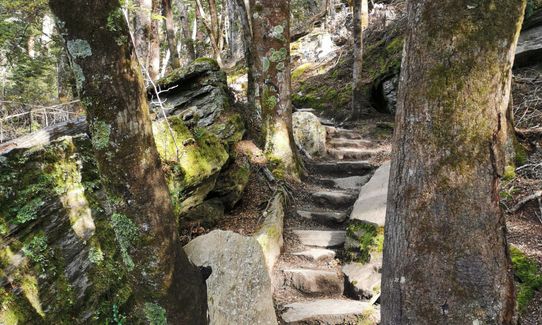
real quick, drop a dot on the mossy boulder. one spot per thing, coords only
(198, 93)
(232, 182)
(60, 261)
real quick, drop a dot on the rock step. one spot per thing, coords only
(363, 280)
(324, 217)
(334, 199)
(321, 238)
(317, 254)
(346, 183)
(359, 168)
(314, 282)
(342, 133)
(349, 143)
(329, 312)
(352, 153)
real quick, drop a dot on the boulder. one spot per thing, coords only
(232, 181)
(370, 207)
(198, 93)
(195, 161)
(529, 48)
(239, 287)
(208, 213)
(309, 133)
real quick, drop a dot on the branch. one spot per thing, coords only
(536, 196)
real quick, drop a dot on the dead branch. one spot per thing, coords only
(536, 196)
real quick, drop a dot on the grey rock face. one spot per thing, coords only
(529, 49)
(371, 204)
(239, 287)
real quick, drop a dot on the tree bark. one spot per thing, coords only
(154, 45)
(170, 33)
(142, 30)
(249, 59)
(187, 43)
(112, 89)
(446, 258)
(359, 22)
(271, 37)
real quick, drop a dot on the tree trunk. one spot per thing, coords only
(170, 33)
(142, 30)
(154, 45)
(445, 253)
(249, 59)
(187, 43)
(271, 33)
(112, 89)
(359, 23)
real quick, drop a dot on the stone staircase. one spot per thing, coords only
(313, 281)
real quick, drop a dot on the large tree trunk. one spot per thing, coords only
(112, 89)
(170, 33)
(271, 37)
(445, 253)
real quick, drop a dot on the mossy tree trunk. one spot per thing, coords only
(360, 22)
(271, 37)
(164, 282)
(446, 259)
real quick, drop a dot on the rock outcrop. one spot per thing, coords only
(239, 287)
(63, 254)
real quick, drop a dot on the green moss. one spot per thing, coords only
(101, 132)
(369, 238)
(207, 61)
(156, 314)
(529, 276)
(509, 173)
(126, 233)
(521, 156)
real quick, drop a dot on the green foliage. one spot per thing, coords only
(36, 249)
(529, 276)
(369, 238)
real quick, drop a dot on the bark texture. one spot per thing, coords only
(112, 90)
(445, 253)
(248, 44)
(359, 23)
(142, 29)
(170, 33)
(188, 53)
(271, 37)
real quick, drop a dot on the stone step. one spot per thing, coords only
(353, 183)
(321, 238)
(349, 143)
(330, 312)
(334, 199)
(352, 153)
(314, 282)
(307, 110)
(342, 168)
(363, 280)
(317, 254)
(326, 121)
(342, 133)
(324, 217)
